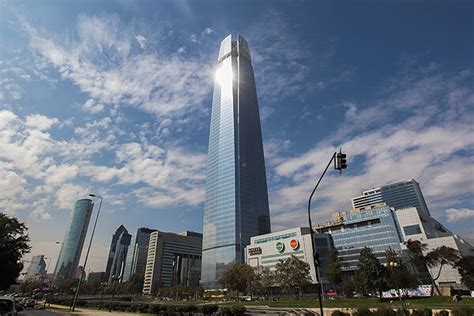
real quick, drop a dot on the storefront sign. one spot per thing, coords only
(294, 244)
(255, 251)
(280, 246)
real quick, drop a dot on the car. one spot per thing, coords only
(29, 303)
(7, 306)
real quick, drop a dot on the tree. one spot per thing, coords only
(465, 267)
(267, 280)
(401, 274)
(28, 286)
(370, 273)
(440, 257)
(134, 285)
(348, 286)
(66, 285)
(238, 277)
(333, 269)
(292, 275)
(14, 243)
(416, 251)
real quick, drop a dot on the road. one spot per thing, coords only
(37, 312)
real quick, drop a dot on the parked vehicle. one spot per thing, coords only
(29, 303)
(7, 306)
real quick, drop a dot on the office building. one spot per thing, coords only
(268, 249)
(387, 217)
(397, 195)
(172, 259)
(37, 267)
(374, 227)
(413, 227)
(236, 204)
(73, 242)
(117, 254)
(137, 253)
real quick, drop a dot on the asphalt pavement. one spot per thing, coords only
(37, 312)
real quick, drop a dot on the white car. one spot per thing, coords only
(7, 306)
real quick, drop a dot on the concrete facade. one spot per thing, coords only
(268, 249)
(172, 259)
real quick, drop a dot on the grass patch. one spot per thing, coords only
(432, 302)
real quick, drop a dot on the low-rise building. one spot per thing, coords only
(268, 249)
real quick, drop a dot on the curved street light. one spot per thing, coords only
(339, 159)
(87, 254)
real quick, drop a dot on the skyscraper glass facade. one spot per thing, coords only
(375, 228)
(117, 253)
(397, 195)
(137, 253)
(73, 242)
(37, 267)
(236, 206)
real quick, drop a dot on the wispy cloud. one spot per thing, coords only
(43, 171)
(429, 143)
(455, 215)
(101, 60)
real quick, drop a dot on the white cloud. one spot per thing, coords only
(91, 106)
(207, 30)
(40, 122)
(456, 215)
(68, 193)
(141, 41)
(6, 118)
(428, 145)
(100, 61)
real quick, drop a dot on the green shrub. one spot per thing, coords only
(154, 309)
(422, 312)
(139, 308)
(463, 311)
(384, 311)
(363, 312)
(208, 309)
(231, 310)
(340, 313)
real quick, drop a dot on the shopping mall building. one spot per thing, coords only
(267, 250)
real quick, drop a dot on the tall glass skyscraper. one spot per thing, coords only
(73, 242)
(236, 206)
(137, 253)
(117, 253)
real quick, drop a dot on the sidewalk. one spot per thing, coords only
(64, 310)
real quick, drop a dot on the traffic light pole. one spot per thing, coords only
(315, 252)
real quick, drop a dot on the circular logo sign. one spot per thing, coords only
(280, 246)
(294, 244)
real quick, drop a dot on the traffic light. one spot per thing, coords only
(340, 161)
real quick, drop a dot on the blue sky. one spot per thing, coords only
(114, 97)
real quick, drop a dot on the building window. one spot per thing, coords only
(412, 230)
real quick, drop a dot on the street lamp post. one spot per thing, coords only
(114, 280)
(391, 266)
(87, 254)
(339, 164)
(102, 285)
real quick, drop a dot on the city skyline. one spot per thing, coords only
(114, 99)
